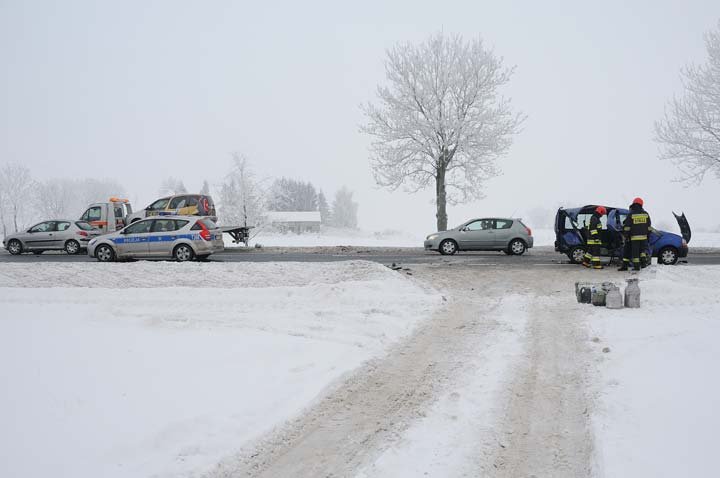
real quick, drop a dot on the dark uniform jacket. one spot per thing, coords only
(594, 229)
(637, 224)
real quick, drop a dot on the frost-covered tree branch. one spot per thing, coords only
(689, 134)
(16, 191)
(441, 119)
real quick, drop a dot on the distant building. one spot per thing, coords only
(295, 221)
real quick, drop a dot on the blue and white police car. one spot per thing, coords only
(182, 238)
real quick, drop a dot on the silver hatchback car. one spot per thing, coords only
(489, 234)
(69, 235)
(181, 237)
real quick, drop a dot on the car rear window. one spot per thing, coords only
(503, 224)
(84, 226)
(63, 226)
(179, 223)
(206, 222)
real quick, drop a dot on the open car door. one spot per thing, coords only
(684, 227)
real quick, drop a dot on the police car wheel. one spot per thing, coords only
(105, 253)
(15, 247)
(668, 256)
(72, 247)
(183, 253)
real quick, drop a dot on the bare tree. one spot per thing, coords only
(689, 134)
(441, 119)
(242, 200)
(54, 198)
(67, 198)
(16, 188)
(171, 187)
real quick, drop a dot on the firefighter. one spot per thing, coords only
(592, 255)
(635, 229)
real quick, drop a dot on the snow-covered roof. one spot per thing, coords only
(293, 216)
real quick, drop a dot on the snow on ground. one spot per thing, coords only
(658, 394)
(444, 441)
(151, 369)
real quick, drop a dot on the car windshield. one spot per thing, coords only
(84, 226)
(159, 204)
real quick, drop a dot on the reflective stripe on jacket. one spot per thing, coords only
(594, 227)
(637, 223)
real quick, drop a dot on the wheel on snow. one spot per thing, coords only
(448, 247)
(105, 253)
(577, 254)
(668, 256)
(72, 247)
(517, 247)
(183, 253)
(15, 247)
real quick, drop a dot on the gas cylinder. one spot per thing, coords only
(632, 294)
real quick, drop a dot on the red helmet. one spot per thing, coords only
(601, 210)
(638, 201)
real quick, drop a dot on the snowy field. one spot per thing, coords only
(124, 370)
(658, 392)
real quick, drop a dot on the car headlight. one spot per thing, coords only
(92, 241)
(432, 237)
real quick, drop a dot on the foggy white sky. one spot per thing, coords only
(144, 90)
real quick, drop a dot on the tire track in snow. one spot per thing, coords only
(367, 413)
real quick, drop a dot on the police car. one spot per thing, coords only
(182, 238)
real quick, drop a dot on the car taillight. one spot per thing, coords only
(529, 231)
(82, 233)
(204, 231)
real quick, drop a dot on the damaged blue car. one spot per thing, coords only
(571, 230)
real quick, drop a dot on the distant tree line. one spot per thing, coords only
(241, 197)
(24, 200)
(245, 199)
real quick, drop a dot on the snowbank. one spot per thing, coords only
(149, 369)
(657, 404)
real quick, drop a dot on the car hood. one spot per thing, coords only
(684, 226)
(444, 233)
